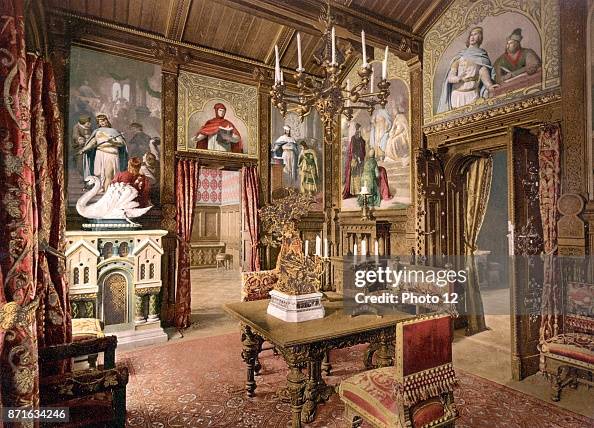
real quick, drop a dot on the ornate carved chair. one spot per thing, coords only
(257, 285)
(567, 356)
(418, 391)
(95, 397)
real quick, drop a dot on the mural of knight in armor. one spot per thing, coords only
(114, 114)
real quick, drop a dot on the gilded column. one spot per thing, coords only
(169, 87)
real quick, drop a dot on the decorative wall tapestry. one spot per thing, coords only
(114, 115)
(483, 53)
(217, 115)
(297, 154)
(376, 149)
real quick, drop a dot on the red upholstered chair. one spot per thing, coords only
(418, 391)
(570, 352)
(95, 397)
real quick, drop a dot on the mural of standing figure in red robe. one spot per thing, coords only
(219, 133)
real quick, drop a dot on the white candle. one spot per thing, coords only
(276, 65)
(376, 248)
(306, 247)
(300, 66)
(385, 65)
(282, 79)
(318, 245)
(364, 48)
(333, 47)
(348, 88)
(325, 247)
(355, 249)
(370, 83)
(363, 248)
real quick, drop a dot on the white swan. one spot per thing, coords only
(118, 202)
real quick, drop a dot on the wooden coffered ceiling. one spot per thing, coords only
(251, 28)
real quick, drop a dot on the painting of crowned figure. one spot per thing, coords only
(296, 154)
(376, 153)
(114, 118)
(497, 56)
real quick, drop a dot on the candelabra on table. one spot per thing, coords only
(366, 213)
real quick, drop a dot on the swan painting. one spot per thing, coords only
(118, 202)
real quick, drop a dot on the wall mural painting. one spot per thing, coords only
(484, 53)
(114, 117)
(217, 115)
(296, 154)
(376, 152)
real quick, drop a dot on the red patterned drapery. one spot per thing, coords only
(549, 160)
(34, 309)
(186, 186)
(250, 198)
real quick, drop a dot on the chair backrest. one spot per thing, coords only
(578, 316)
(423, 344)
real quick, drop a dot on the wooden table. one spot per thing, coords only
(304, 344)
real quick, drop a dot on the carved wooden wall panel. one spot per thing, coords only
(231, 232)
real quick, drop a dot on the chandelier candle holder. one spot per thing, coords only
(330, 95)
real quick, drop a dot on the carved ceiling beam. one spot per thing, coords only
(179, 10)
(430, 16)
(303, 16)
(282, 40)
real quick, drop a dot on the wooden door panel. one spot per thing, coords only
(527, 267)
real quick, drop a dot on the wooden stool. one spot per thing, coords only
(84, 329)
(222, 260)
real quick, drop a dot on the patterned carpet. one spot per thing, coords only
(199, 383)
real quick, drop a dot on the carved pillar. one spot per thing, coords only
(416, 142)
(573, 39)
(139, 309)
(153, 312)
(169, 106)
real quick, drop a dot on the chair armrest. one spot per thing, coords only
(106, 345)
(64, 387)
(257, 285)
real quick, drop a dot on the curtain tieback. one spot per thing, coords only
(46, 248)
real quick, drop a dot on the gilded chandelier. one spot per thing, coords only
(330, 95)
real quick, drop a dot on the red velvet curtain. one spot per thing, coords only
(186, 187)
(34, 308)
(549, 160)
(251, 197)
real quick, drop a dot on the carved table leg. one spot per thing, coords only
(326, 366)
(316, 390)
(251, 345)
(296, 386)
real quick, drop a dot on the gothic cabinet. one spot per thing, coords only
(526, 247)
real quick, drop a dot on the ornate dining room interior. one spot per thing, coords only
(324, 213)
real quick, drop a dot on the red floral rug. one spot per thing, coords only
(200, 383)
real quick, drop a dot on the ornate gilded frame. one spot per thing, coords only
(462, 14)
(195, 90)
